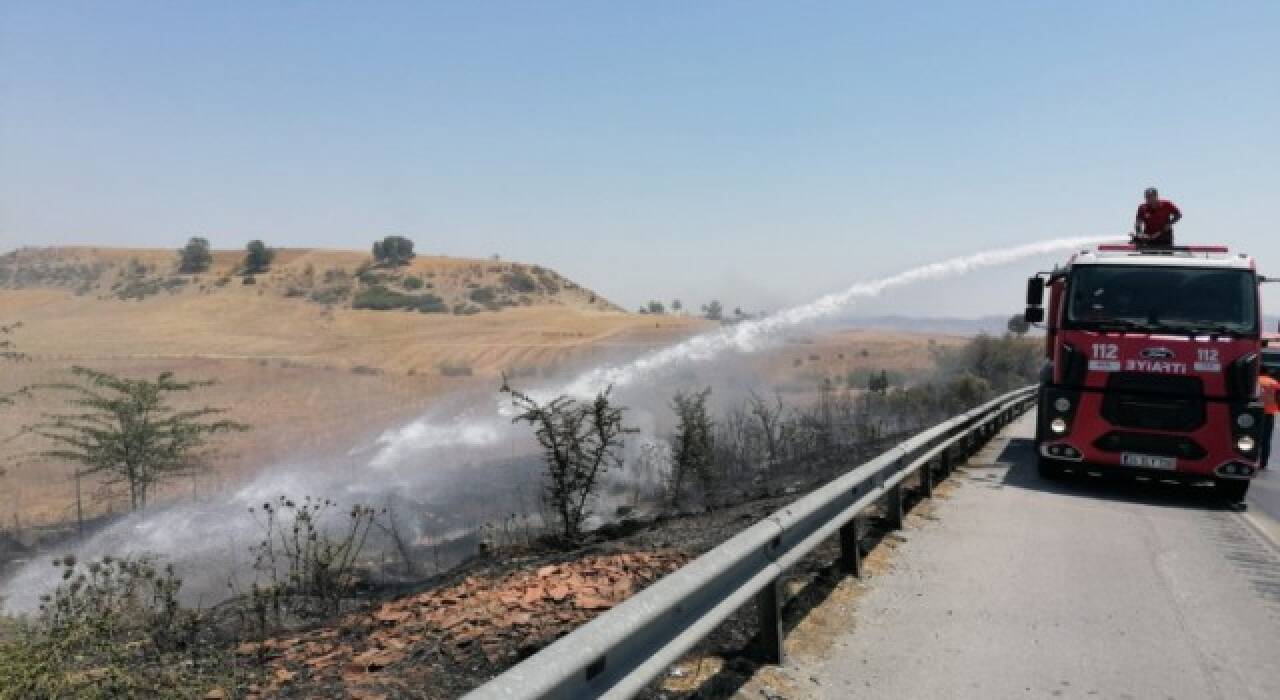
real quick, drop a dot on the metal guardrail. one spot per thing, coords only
(618, 653)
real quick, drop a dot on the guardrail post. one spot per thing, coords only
(926, 479)
(850, 548)
(893, 507)
(769, 611)
(944, 464)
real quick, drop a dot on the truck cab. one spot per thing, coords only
(1151, 369)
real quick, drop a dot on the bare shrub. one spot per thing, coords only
(581, 440)
(305, 564)
(692, 444)
(770, 417)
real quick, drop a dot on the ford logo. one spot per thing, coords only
(1157, 354)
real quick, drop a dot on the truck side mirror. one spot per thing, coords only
(1035, 291)
(1035, 300)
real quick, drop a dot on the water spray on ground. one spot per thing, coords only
(424, 456)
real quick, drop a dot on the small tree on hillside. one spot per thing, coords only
(257, 258)
(692, 444)
(127, 430)
(713, 311)
(580, 440)
(393, 251)
(676, 306)
(656, 307)
(194, 257)
(1018, 325)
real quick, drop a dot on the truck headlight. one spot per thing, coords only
(1059, 426)
(1245, 421)
(1244, 443)
(1062, 404)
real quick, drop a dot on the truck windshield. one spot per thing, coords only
(1169, 299)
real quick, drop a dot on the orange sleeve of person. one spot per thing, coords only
(1270, 390)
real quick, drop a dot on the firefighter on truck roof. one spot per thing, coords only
(1153, 226)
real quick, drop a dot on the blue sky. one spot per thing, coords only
(759, 153)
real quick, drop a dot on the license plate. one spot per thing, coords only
(1130, 459)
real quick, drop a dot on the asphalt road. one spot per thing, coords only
(1264, 494)
(1023, 588)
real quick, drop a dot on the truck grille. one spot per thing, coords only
(1151, 444)
(1154, 402)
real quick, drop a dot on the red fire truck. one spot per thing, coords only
(1152, 365)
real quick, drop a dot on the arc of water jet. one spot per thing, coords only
(748, 336)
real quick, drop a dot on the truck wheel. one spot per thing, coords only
(1050, 468)
(1233, 490)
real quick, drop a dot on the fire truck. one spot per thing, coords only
(1151, 369)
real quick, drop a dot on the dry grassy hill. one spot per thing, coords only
(312, 374)
(335, 278)
(290, 354)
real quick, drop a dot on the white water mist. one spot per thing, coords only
(203, 539)
(751, 336)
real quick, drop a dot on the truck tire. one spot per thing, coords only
(1232, 490)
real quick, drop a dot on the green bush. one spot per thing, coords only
(547, 281)
(371, 278)
(412, 282)
(141, 288)
(331, 295)
(484, 295)
(114, 629)
(520, 282)
(379, 298)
